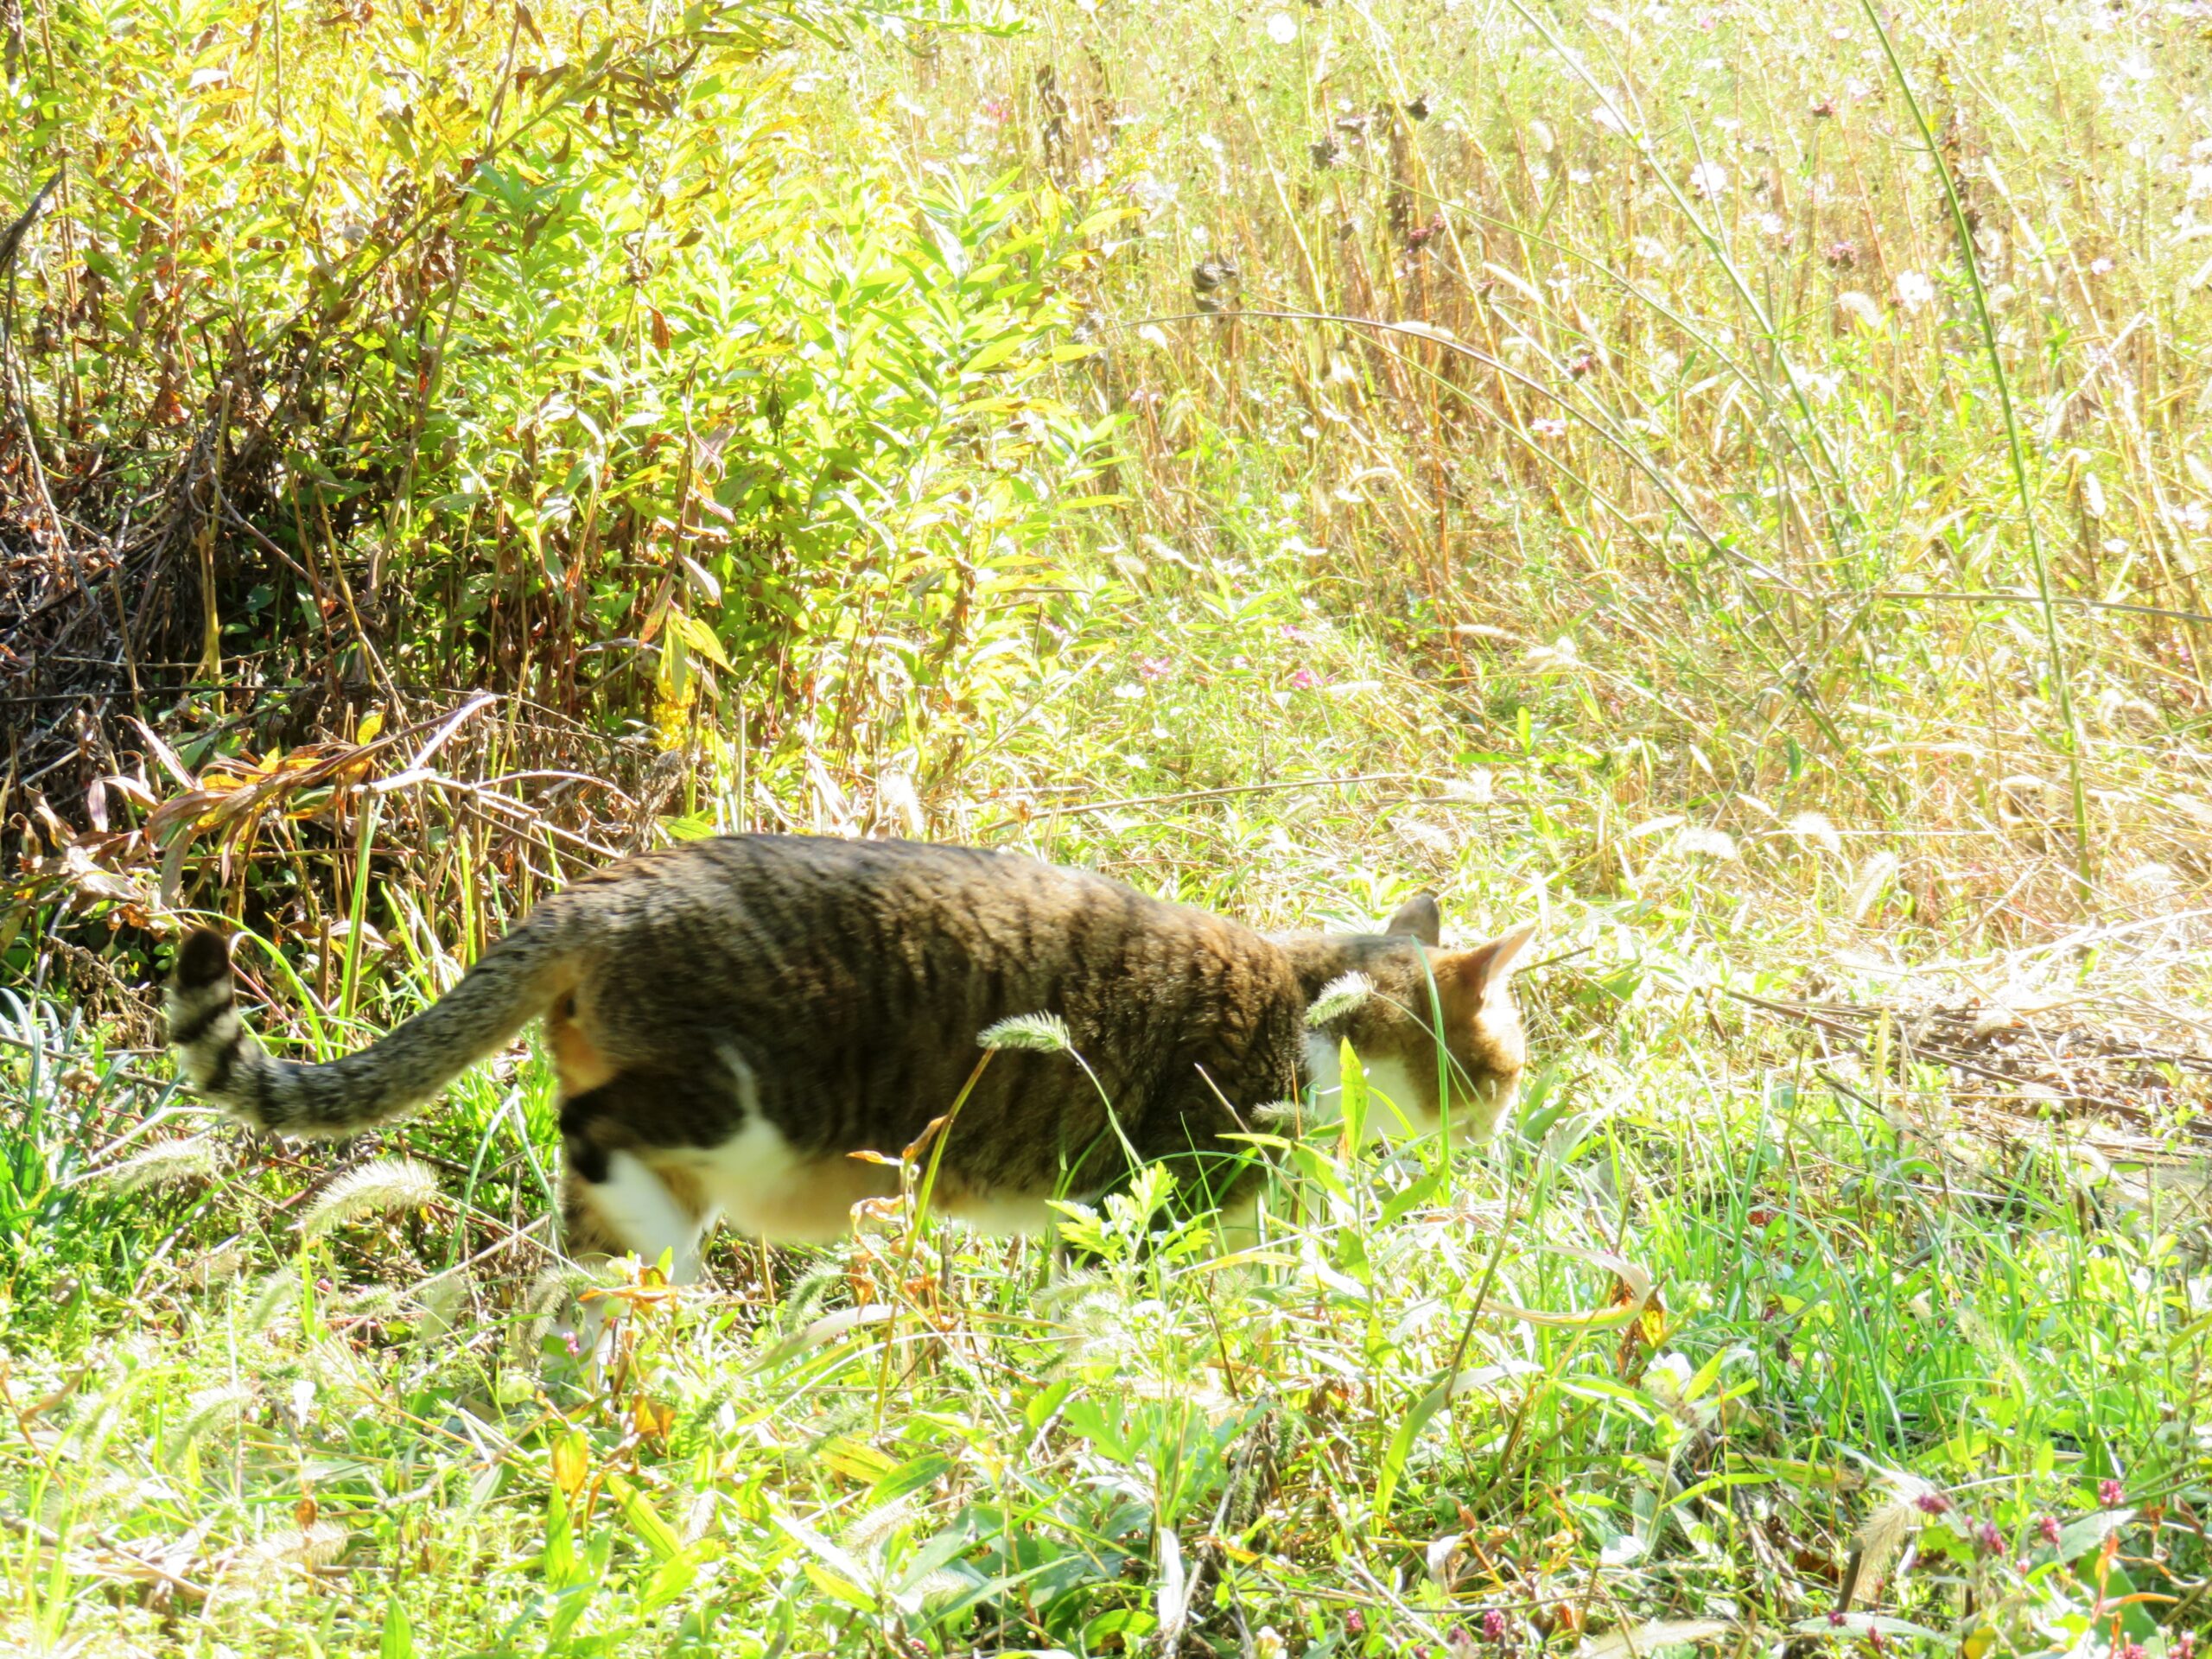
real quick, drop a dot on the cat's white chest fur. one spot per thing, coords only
(1393, 1110)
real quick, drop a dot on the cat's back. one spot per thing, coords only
(789, 904)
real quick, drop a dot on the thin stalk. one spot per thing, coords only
(2053, 647)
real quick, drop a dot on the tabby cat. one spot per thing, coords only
(732, 1018)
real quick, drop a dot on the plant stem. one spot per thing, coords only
(2054, 647)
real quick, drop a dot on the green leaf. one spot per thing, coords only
(1401, 1445)
(569, 1610)
(1354, 1076)
(833, 1557)
(837, 1587)
(655, 1533)
(1047, 1401)
(398, 1641)
(908, 1478)
(559, 1563)
(674, 1576)
(1417, 1194)
(996, 352)
(1132, 1624)
(697, 635)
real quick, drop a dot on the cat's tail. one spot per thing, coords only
(514, 981)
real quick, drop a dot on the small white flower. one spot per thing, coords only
(1771, 224)
(1914, 290)
(2098, 266)
(1282, 29)
(1709, 181)
(1668, 1376)
(1540, 139)
(1548, 426)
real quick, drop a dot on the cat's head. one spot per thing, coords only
(1415, 992)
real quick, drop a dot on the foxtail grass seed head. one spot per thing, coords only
(1908, 1507)
(1813, 829)
(1557, 658)
(1040, 1033)
(898, 805)
(1876, 872)
(163, 1164)
(1338, 998)
(384, 1187)
(1855, 309)
(1702, 841)
(312, 1546)
(213, 1408)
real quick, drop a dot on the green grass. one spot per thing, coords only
(1692, 548)
(940, 1440)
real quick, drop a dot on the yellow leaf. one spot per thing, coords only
(651, 1417)
(571, 1461)
(371, 723)
(857, 1462)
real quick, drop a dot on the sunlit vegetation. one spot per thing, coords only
(1730, 482)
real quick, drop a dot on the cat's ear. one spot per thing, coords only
(1420, 918)
(1484, 972)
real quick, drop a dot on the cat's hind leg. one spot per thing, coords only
(645, 1216)
(614, 1202)
(614, 1195)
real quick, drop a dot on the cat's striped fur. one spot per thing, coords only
(731, 1019)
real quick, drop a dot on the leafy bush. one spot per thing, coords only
(454, 345)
